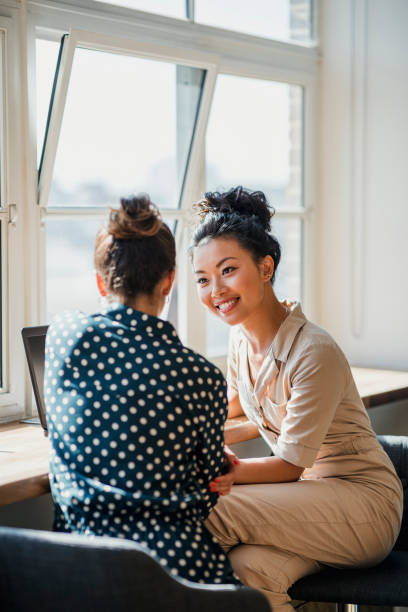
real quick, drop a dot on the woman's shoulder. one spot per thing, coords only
(73, 325)
(69, 320)
(315, 344)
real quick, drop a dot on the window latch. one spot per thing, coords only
(12, 217)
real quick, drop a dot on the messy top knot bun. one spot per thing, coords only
(137, 217)
(237, 200)
(241, 214)
(135, 249)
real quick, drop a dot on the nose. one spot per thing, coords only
(217, 289)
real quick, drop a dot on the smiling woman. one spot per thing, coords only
(317, 499)
(234, 272)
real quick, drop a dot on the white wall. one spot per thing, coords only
(363, 179)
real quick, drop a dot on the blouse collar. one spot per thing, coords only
(140, 321)
(287, 332)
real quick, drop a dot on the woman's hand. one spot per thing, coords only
(223, 483)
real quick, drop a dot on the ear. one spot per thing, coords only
(101, 285)
(167, 283)
(267, 267)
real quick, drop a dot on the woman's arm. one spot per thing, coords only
(317, 388)
(234, 405)
(262, 469)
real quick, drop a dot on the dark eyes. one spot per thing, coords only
(227, 270)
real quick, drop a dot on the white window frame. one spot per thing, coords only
(161, 38)
(13, 391)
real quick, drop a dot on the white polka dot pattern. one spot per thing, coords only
(136, 428)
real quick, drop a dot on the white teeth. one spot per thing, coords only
(225, 305)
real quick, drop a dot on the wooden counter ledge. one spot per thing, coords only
(23, 462)
(24, 449)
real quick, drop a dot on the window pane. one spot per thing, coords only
(70, 267)
(288, 281)
(171, 8)
(46, 62)
(287, 285)
(127, 127)
(281, 19)
(254, 138)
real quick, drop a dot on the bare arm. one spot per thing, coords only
(252, 471)
(234, 405)
(266, 469)
(262, 469)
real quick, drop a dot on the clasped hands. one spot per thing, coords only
(223, 483)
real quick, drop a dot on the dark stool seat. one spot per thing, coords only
(383, 585)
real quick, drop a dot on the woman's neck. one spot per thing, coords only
(261, 327)
(144, 303)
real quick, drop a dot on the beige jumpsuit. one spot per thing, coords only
(346, 508)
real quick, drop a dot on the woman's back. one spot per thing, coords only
(129, 412)
(135, 418)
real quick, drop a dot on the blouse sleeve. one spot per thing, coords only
(212, 414)
(318, 385)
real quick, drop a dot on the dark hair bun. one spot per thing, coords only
(137, 217)
(240, 201)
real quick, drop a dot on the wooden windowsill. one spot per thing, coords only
(24, 449)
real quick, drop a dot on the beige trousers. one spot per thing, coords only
(277, 533)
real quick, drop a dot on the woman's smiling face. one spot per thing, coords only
(229, 282)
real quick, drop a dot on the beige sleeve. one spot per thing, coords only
(232, 360)
(318, 385)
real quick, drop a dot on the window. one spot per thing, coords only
(255, 139)
(125, 125)
(280, 19)
(162, 101)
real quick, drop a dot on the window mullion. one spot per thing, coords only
(192, 334)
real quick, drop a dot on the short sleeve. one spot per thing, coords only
(232, 361)
(318, 385)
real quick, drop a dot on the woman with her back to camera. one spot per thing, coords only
(135, 418)
(329, 494)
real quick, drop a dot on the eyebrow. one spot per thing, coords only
(217, 265)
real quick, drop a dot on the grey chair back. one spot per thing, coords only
(396, 448)
(48, 571)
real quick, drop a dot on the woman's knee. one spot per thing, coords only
(270, 568)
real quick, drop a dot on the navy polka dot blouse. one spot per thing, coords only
(136, 428)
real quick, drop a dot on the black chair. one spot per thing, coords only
(45, 571)
(383, 585)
